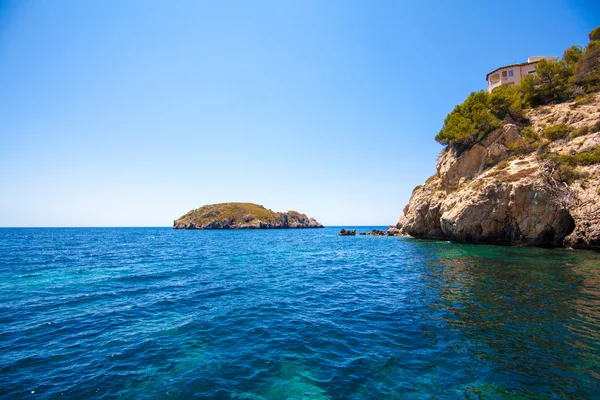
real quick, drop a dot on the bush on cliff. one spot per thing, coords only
(555, 132)
(469, 121)
(587, 71)
(553, 81)
(550, 83)
(572, 55)
(588, 157)
(507, 103)
(480, 114)
(594, 34)
(577, 73)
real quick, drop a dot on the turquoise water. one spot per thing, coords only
(282, 314)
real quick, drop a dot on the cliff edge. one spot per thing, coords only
(537, 184)
(242, 216)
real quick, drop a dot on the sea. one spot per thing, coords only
(157, 313)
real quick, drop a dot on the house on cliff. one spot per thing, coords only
(512, 74)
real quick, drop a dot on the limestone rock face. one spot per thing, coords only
(586, 213)
(515, 213)
(422, 215)
(242, 216)
(487, 194)
(454, 168)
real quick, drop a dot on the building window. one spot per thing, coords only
(510, 73)
(531, 72)
(504, 74)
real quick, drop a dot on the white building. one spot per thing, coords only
(512, 74)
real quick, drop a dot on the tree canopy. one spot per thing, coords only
(577, 73)
(595, 34)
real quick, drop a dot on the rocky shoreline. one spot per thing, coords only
(391, 231)
(495, 195)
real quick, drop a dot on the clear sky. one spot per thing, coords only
(131, 113)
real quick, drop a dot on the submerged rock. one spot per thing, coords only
(393, 231)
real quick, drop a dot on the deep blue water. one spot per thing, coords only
(278, 314)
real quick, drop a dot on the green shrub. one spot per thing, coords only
(553, 77)
(507, 102)
(470, 121)
(529, 133)
(595, 34)
(587, 70)
(572, 55)
(585, 99)
(529, 92)
(549, 84)
(584, 130)
(556, 132)
(589, 157)
(521, 148)
(565, 173)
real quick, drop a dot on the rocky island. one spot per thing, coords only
(521, 164)
(242, 216)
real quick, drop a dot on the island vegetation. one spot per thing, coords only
(242, 216)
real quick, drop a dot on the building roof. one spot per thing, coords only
(510, 66)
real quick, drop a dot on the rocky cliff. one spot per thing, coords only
(517, 186)
(242, 216)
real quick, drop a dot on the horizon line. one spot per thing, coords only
(168, 226)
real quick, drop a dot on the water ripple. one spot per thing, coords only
(158, 313)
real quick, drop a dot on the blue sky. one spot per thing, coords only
(131, 113)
